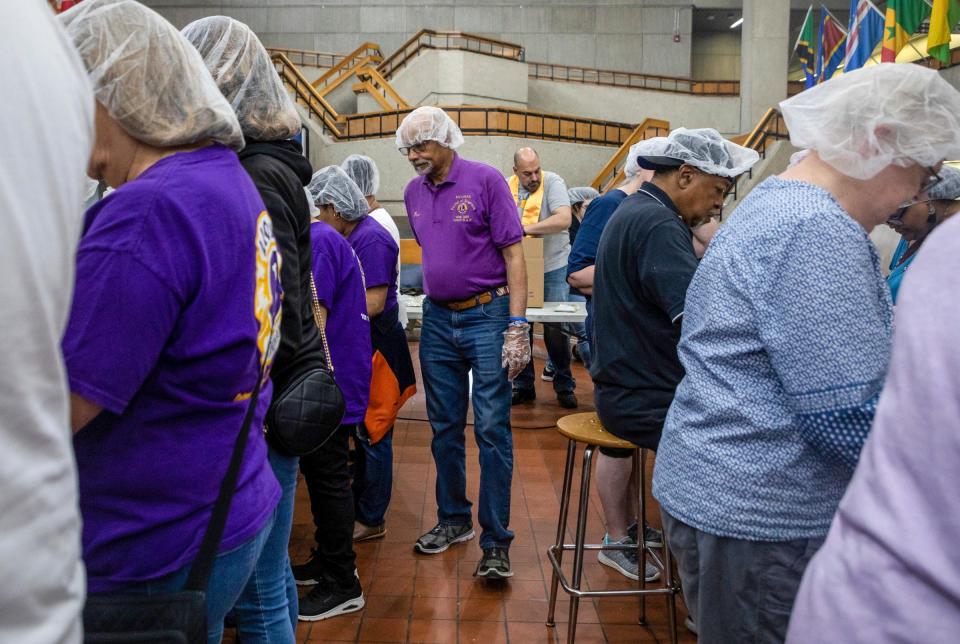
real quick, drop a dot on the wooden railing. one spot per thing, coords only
(307, 95)
(769, 129)
(499, 121)
(612, 173)
(430, 39)
(307, 58)
(377, 86)
(366, 54)
(612, 78)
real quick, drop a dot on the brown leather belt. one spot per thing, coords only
(476, 300)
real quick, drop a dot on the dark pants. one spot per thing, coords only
(372, 476)
(738, 590)
(327, 474)
(555, 289)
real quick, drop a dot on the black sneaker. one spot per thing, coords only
(548, 373)
(308, 573)
(495, 564)
(442, 537)
(329, 600)
(652, 536)
(567, 400)
(523, 395)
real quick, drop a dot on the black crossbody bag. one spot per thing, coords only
(177, 617)
(307, 413)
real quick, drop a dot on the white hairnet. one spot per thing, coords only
(147, 76)
(797, 157)
(331, 186)
(364, 173)
(581, 194)
(868, 119)
(246, 77)
(428, 123)
(314, 211)
(631, 168)
(948, 189)
(702, 148)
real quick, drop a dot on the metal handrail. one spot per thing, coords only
(306, 94)
(367, 52)
(614, 78)
(498, 121)
(308, 58)
(771, 127)
(383, 92)
(612, 172)
(456, 40)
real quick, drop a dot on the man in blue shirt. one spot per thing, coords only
(785, 344)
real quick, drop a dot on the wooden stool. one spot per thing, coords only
(586, 428)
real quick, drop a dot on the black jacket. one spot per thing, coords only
(280, 172)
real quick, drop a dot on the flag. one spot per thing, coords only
(864, 33)
(804, 48)
(946, 13)
(832, 46)
(902, 21)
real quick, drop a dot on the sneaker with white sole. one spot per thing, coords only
(495, 564)
(328, 600)
(442, 537)
(625, 561)
(309, 572)
(548, 373)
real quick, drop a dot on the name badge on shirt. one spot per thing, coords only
(462, 207)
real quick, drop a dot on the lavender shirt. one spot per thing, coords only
(462, 226)
(177, 288)
(336, 272)
(889, 570)
(378, 253)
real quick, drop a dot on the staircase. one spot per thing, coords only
(612, 174)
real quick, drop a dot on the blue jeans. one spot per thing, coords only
(579, 330)
(372, 477)
(267, 609)
(453, 343)
(230, 573)
(555, 289)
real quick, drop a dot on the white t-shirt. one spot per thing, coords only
(46, 126)
(384, 219)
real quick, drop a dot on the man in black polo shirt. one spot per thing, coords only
(645, 262)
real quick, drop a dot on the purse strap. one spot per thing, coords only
(318, 319)
(203, 564)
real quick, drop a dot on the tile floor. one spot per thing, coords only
(419, 598)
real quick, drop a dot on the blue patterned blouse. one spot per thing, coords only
(785, 342)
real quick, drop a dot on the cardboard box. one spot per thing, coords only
(533, 256)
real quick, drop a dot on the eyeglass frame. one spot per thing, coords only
(417, 147)
(897, 217)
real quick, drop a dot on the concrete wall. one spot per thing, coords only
(634, 105)
(577, 164)
(634, 35)
(715, 55)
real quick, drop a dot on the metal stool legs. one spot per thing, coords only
(562, 526)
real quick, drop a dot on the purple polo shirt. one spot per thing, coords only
(177, 295)
(378, 253)
(336, 272)
(462, 226)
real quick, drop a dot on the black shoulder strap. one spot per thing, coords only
(203, 564)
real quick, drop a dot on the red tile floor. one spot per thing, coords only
(419, 598)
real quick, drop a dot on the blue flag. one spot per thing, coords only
(831, 47)
(865, 30)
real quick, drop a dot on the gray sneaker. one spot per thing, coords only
(442, 537)
(625, 561)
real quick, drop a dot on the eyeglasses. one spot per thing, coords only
(419, 147)
(897, 217)
(933, 179)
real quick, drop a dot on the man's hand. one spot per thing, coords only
(516, 349)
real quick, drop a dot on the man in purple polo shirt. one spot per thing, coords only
(464, 217)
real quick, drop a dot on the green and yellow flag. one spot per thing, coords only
(903, 18)
(945, 14)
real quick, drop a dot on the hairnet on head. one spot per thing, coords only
(364, 173)
(314, 211)
(331, 186)
(147, 76)
(428, 123)
(877, 116)
(581, 194)
(702, 148)
(242, 69)
(631, 168)
(948, 188)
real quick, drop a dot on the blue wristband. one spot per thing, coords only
(518, 319)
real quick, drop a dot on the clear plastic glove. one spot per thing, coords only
(516, 349)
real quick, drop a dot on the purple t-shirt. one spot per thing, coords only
(378, 254)
(177, 296)
(462, 226)
(340, 290)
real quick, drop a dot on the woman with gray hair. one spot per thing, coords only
(242, 70)
(390, 381)
(176, 312)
